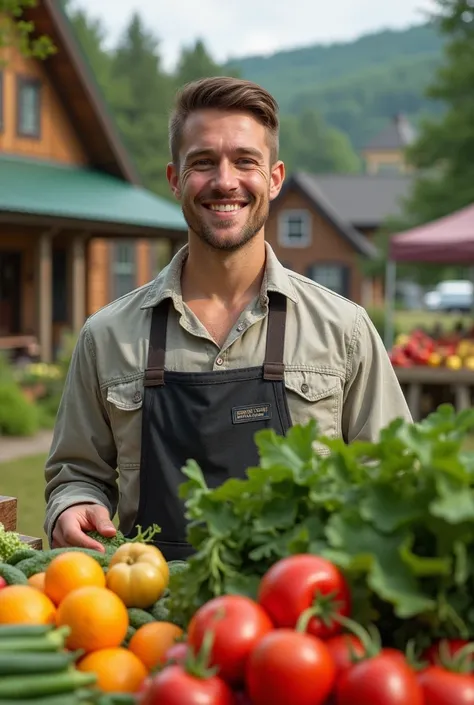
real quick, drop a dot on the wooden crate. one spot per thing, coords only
(9, 518)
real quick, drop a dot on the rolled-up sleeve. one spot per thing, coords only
(373, 396)
(82, 464)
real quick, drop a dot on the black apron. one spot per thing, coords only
(210, 417)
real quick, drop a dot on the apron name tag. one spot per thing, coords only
(255, 412)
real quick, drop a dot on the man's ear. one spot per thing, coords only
(277, 178)
(173, 179)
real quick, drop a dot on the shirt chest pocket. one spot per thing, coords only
(125, 401)
(315, 395)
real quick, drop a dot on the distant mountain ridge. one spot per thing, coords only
(357, 86)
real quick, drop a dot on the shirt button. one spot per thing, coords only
(137, 397)
(240, 327)
(219, 361)
(304, 388)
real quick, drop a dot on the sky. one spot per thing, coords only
(247, 27)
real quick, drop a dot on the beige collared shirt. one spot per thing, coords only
(336, 371)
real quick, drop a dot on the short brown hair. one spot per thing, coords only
(224, 93)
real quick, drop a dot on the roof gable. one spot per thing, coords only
(362, 200)
(74, 83)
(304, 184)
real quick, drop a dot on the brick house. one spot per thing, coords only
(321, 225)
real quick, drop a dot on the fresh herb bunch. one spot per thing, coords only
(10, 543)
(397, 516)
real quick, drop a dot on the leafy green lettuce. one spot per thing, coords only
(397, 516)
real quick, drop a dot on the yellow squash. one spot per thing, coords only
(138, 573)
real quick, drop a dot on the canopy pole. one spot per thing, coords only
(390, 290)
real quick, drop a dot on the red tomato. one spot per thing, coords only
(433, 653)
(288, 668)
(3, 583)
(341, 647)
(290, 587)
(384, 679)
(174, 686)
(176, 653)
(237, 623)
(442, 687)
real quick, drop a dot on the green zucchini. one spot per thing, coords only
(32, 686)
(12, 575)
(72, 698)
(21, 663)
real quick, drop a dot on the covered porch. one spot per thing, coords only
(58, 227)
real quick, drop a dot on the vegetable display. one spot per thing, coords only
(337, 578)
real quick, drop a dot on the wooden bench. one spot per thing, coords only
(16, 342)
(9, 517)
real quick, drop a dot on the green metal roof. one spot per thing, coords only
(42, 188)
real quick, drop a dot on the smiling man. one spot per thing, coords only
(224, 342)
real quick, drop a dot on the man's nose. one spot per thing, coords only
(225, 177)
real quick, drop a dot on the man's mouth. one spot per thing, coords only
(225, 207)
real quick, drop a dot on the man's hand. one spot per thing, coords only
(74, 521)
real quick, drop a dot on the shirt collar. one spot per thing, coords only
(168, 282)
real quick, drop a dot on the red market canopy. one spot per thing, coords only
(449, 240)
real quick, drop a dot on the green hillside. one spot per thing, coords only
(357, 86)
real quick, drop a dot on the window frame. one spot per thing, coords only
(22, 82)
(114, 262)
(284, 240)
(345, 274)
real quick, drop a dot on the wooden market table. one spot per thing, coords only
(442, 384)
(9, 518)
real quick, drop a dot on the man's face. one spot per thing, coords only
(225, 181)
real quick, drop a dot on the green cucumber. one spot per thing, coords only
(9, 630)
(12, 575)
(21, 663)
(160, 611)
(72, 698)
(137, 617)
(21, 555)
(39, 562)
(53, 641)
(44, 684)
(114, 699)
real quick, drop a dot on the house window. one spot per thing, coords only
(123, 269)
(332, 276)
(1, 101)
(294, 228)
(28, 107)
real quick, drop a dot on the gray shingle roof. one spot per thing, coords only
(304, 183)
(361, 200)
(397, 135)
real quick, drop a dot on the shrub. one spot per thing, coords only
(18, 416)
(377, 316)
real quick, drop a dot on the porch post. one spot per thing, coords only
(45, 296)
(78, 282)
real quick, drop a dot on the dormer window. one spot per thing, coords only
(28, 107)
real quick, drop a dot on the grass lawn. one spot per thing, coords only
(408, 320)
(24, 479)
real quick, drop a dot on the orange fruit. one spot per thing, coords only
(37, 581)
(70, 571)
(117, 670)
(152, 640)
(97, 618)
(25, 604)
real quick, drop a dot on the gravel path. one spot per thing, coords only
(13, 448)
